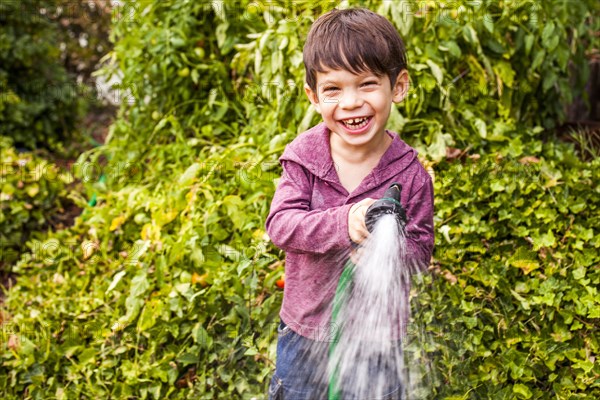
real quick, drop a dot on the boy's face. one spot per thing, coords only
(356, 107)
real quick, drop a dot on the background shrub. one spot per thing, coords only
(40, 102)
(32, 192)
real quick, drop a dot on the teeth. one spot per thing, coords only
(355, 120)
(356, 123)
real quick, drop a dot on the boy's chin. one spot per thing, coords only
(356, 140)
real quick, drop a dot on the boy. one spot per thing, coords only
(355, 69)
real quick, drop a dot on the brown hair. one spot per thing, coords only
(357, 40)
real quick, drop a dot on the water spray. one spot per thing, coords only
(389, 204)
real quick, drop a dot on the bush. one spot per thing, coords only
(513, 312)
(32, 192)
(40, 103)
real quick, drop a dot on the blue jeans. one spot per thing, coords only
(301, 370)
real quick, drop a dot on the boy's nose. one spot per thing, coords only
(350, 100)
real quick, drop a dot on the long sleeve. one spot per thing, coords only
(293, 226)
(419, 230)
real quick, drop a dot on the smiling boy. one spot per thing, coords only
(355, 65)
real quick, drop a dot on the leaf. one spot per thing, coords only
(504, 70)
(579, 272)
(524, 260)
(497, 186)
(522, 390)
(138, 250)
(470, 34)
(190, 174)
(561, 334)
(445, 231)
(139, 284)
(524, 303)
(161, 124)
(201, 336)
(436, 71)
(177, 41)
(538, 59)
(234, 205)
(488, 22)
(545, 240)
(221, 33)
(548, 31)
(87, 356)
(481, 127)
(549, 81)
(528, 43)
(594, 312)
(150, 232)
(585, 365)
(116, 279)
(32, 189)
(437, 149)
(149, 314)
(117, 222)
(452, 47)
(188, 358)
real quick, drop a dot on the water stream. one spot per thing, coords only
(366, 360)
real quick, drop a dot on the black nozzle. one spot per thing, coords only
(388, 204)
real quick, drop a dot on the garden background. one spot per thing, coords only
(134, 259)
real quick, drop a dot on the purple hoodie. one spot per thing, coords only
(309, 221)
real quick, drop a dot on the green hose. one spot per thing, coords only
(93, 200)
(341, 293)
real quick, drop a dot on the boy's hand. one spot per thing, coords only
(357, 230)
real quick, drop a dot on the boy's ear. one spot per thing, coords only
(400, 89)
(313, 97)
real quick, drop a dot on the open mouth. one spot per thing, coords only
(356, 123)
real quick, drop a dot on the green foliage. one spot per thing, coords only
(39, 102)
(165, 289)
(83, 33)
(171, 284)
(483, 70)
(31, 190)
(480, 71)
(513, 312)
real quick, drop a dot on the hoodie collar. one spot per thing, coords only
(311, 149)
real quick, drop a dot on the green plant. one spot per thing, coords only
(39, 102)
(512, 309)
(32, 192)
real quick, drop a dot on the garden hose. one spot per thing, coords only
(102, 179)
(388, 204)
(93, 200)
(341, 292)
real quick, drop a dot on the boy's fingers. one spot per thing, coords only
(356, 236)
(356, 220)
(362, 206)
(356, 255)
(369, 201)
(364, 233)
(359, 233)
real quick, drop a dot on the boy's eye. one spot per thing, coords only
(331, 89)
(369, 83)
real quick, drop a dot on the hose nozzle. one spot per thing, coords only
(388, 204)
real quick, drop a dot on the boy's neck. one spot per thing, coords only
(359, 154)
